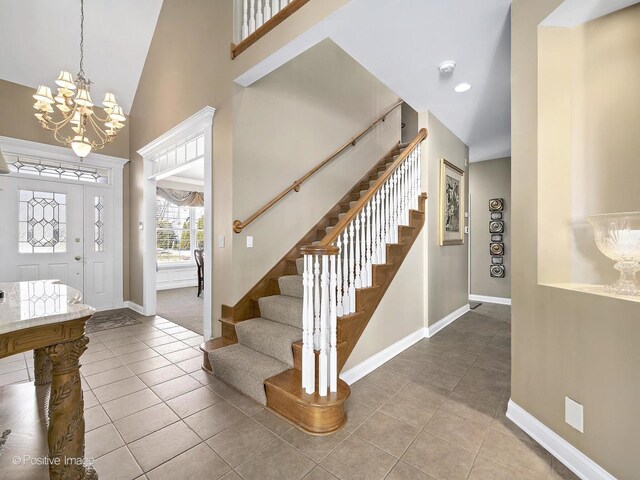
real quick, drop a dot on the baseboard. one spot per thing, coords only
(449, 319)
(370, 364)
(570, 456)
(484, 298)
(134, 306)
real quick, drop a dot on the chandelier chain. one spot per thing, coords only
(81, 38)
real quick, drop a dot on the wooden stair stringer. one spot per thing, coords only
(383, 275)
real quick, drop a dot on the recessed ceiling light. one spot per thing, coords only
(447, 67)
(462, 87)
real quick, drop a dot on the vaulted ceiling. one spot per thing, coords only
(38, 38)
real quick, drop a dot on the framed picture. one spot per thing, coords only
(496, 204)
(496, 260)
(496, 215)
(451, 204)
(496, 237)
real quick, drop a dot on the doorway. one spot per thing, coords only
(60, 221)
(173, 157)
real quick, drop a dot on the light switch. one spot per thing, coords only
(574, 414)
(139, 225)
(249, 242)
(221, 241)
(466, 229)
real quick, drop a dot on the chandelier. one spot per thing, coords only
(77, 124)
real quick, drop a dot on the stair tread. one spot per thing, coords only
(291, 285)
(269, 338)
(300, 265)
(282, 309)
(245, 369)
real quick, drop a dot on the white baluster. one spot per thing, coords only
(324, 328)
(388, 224)
(352, 269)
(310, 386)
(305, 325)
(316, 304)
(333, 342)
(374, 227)
(394, 208)
(405, 193)
(259, 16)
(252, 16)
(267, 10)
(419, 169)
(356, 221)
(338, 287)
(245, 25)
(369, 247)
(364, 281)
(275, 6)
(384, 214)
(346, 304)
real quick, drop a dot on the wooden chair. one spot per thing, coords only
(198, 254)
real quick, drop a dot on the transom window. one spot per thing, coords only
(55, 169)
(42, 222)
(185, 152)
(179, 231)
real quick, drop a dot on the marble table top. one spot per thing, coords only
(41, 302)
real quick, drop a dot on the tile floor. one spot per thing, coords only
(437, 411)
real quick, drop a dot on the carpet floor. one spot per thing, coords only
(182, 306)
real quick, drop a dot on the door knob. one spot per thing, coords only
(78, 257)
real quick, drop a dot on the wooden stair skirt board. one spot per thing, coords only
(284, 393)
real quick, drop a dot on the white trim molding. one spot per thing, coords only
(448, 320)
(134, 306)
(201, 121)
(194, 123)
(370, 364)
(485, 299)
(17, 146)
(27, 148)
(570, 456)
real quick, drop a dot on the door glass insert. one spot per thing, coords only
(42, 222)
(98, 224)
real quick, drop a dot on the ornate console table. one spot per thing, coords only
(48, 318)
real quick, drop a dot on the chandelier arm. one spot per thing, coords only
(103, 120)
(102, 135)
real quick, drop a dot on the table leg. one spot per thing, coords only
(41, 367)
(66, 414)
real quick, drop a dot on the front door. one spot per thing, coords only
(57, 230)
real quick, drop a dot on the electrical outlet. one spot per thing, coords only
(249, 242)
(221, 241)
(574, 414)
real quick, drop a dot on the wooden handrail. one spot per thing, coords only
(239, 225)
(326, 245)
(269, 25)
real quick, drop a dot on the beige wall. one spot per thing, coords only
(284, 125)
(187, 68)
(568, 343)
(487, 180)
(17, 120)
(447, 266)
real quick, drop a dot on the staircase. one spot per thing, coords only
(284, 343)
